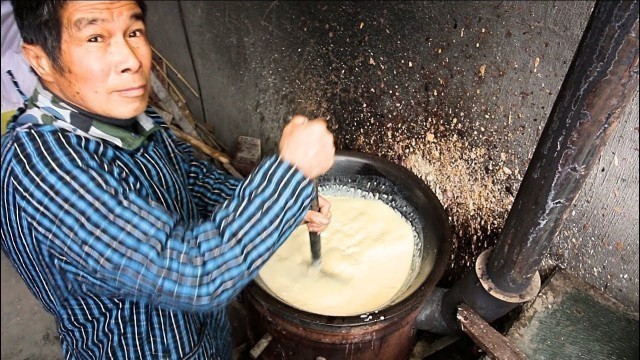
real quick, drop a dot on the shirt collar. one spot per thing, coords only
(63, 115)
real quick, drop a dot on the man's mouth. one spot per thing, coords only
(133, 91)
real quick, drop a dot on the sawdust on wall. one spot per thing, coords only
(475, 186)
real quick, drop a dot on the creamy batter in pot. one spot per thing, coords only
(367, 254)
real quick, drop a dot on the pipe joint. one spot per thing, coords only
(438, 315)
(529, 293)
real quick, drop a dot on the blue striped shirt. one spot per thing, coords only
(133, 244)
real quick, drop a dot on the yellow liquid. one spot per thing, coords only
(366, 256)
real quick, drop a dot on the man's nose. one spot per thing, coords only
(127, 56)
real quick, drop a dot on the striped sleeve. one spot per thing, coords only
(118, 243)
(208, 185)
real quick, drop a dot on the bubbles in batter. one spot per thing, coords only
(367, 253)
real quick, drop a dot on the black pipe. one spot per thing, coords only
(602, 80)
(438, 315)
(600, 83)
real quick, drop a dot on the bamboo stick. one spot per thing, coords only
(175, 71)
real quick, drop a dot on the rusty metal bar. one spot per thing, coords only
(600, 83)
(486, 337)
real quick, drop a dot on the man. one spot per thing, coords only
(130, 242)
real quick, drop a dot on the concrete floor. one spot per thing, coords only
(566, 320)
(28, 331)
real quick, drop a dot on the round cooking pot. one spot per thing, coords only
(284, 332)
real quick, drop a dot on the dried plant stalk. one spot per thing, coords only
(170, 100)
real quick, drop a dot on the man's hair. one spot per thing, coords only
(40, 24)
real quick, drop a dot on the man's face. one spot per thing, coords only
(105, 57)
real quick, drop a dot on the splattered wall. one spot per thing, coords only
(458, 92)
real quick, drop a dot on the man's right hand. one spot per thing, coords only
(308, 145)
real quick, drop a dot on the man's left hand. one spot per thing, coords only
(317, 221)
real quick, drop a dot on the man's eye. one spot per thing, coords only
(136, 33)
(96, 38)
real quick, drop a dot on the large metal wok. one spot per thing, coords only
(389, 333)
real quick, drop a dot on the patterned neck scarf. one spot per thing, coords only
(46, 108)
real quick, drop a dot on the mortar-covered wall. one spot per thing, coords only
(458, 92)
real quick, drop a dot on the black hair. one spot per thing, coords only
(40, 24)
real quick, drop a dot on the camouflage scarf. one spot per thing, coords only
(43, 107)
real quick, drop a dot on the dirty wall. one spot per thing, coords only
(458, 92)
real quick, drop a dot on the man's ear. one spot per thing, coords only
(39, 61)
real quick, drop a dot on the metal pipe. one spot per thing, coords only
(438, 315)
(600, 82)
